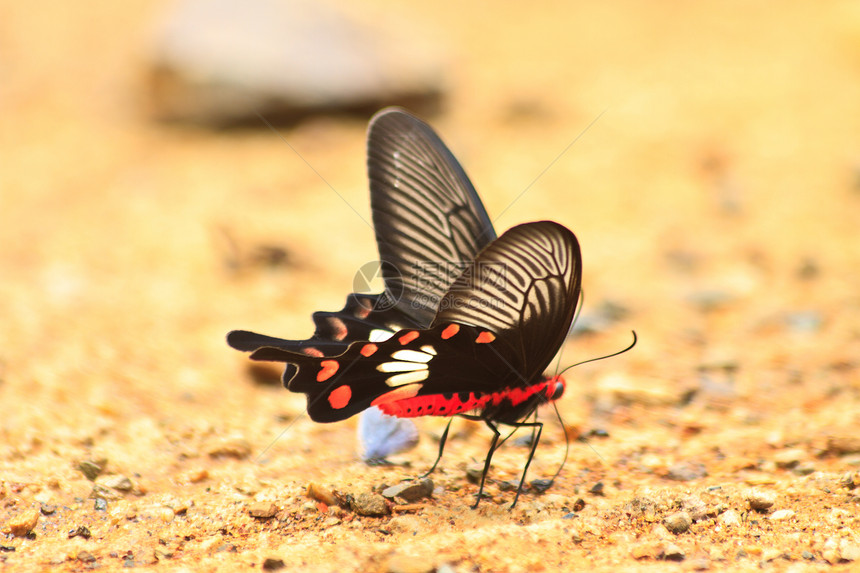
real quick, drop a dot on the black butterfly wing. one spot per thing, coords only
(489, 336)
(524, 287)
(429, 221)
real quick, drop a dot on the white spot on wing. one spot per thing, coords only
(412, 356)
(409, 377)
(400, 367)
(380, 335)
(429, 349)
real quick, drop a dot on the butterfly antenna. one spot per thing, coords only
(630, 347)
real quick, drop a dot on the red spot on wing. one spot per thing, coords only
(338, 327)
(327, 370)
(408, 337)
(450, 331)
(340, 397)
(402, 393)
(363, 309)
(311, 351)
(368, 349)
(485, 337)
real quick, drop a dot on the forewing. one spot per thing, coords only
(524, 287)
(428, 218)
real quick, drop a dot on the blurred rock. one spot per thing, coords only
(804, 321)
(843, 442)
(687, 471)
(219, 62)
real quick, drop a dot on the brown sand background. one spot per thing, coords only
(716, 198)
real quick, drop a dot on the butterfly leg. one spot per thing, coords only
(442, 441)
(537, 429)
(490, 452)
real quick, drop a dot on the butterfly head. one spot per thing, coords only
(554, 387)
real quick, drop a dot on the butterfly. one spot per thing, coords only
(429, 223)
(483, 356)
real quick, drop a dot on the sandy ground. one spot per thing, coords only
(717, 200)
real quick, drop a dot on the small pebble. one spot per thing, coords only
(474, 473)
(86, 557)
(80, 531)
(263, 510)
(320, 493)
(596, 489)
(48, 509)
(370, 505)
(162, 554)
(540, 486)
(850, 480)
(271, 564)
(695, 507)
(117, 482)
(781, 514)
(678, 522)
(410, 492)
(92, 468)
(803, 469)
(730, 518)
(508, 485)
(165, 514)
(100, 504)
(23, 523)
(760, 500)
